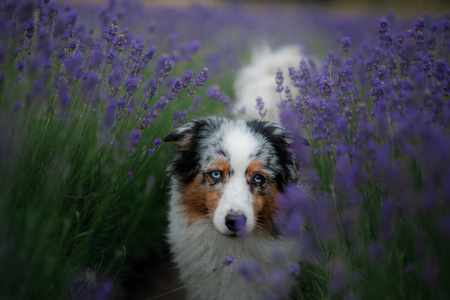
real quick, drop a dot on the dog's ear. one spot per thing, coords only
(281, 141)
(186, 164)
(182, 135)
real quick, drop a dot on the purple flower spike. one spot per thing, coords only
(228, 261)
(294, 270)
(29, 29)
(110, 32)
(131, 85)
(147, 57)
(409, 269)
(96, 59)
(383, 26)
(179, 117)
(20, 65)
(346, 44)
(168, 66)
(157, 142)
(74, 66)
(202, 76)
(151, 88)
(115, 79)
(260, 107)
(279, 81)
(105, 291)
(177, 86)
(64, 95)
(135, 137)
(18, 106)
(187, 77)
(215, 94)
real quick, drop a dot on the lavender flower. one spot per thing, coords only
(29, 29)
(74, 66)
(168, 65)
(196, 105)
(64, 96)
(409, 269)
(179, 117)
(119, 42)
(135, 138)
(260, 107)
(115, 78)
(279, 81)
(419, 24)
(151, 89)
(20, 65)
(137, 47)
(18, 106)
(176, 86)
(346, 44)
(91, 82)
(156, 144)
(105, 290)
(111, 56)
(95, 60)
(110, 115)
(228, 261)
(130, 85)
(383, 26)
(147, 57)
(189, 49)
(110, 33)
(201, 78)
(241, 111)
(294, 270)
(187, 78)
(330, 63)
(215, 94)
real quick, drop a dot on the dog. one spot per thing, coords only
(223, 202)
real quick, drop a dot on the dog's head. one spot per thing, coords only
(231, 172)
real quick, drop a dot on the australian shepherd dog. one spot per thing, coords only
(224, 185)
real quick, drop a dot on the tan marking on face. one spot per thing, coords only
(265, 207)
(264, 197)
(255, 167)
(185, 141)
(220, 164)
(201, 197)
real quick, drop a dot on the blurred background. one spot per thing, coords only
(402, 7)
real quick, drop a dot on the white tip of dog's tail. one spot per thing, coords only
(258, 79)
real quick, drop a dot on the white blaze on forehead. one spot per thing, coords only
(240, 145)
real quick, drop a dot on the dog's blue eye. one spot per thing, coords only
(259, 179)
(215, 174)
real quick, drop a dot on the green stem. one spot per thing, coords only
(184, 286)
(124, 249)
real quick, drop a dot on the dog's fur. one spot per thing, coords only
(227, 167)
(258, 79)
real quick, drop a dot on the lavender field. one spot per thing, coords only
(88, 92)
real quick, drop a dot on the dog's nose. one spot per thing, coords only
(235, 222)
